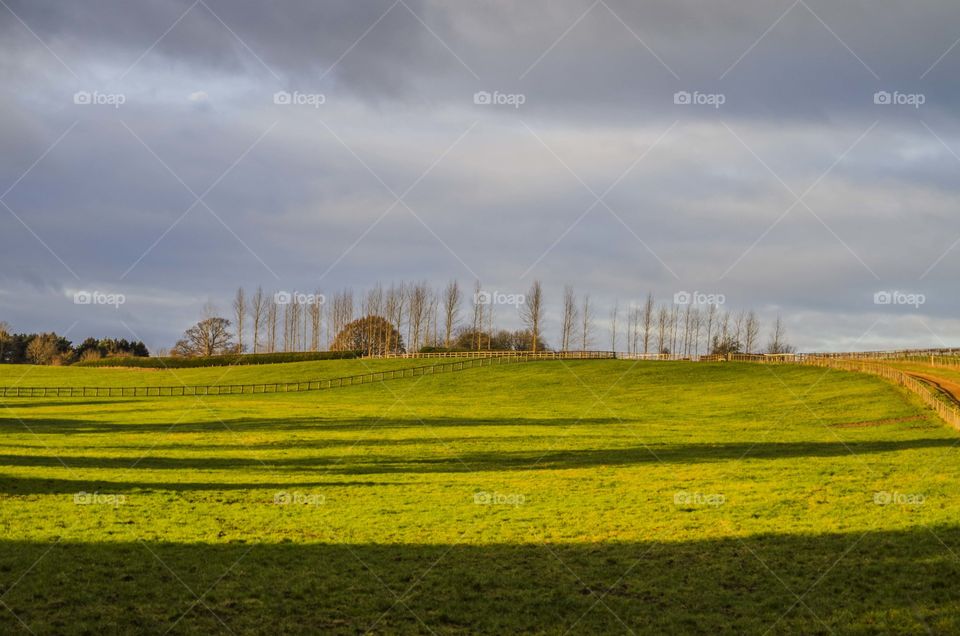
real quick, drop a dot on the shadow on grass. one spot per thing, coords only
(453, 461)
(881, 582)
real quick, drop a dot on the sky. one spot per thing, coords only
(796, 157)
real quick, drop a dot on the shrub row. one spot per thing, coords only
(220, 361)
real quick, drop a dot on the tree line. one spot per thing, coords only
(50, 348)
(416, 317)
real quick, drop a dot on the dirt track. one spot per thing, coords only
(950, 388)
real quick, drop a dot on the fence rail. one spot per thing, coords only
(540, 355)
(270, 387)
(931, 396)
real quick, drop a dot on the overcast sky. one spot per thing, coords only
(797, 157)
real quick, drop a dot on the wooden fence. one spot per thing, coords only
(931, 396)
(276, 387)
(540, 355)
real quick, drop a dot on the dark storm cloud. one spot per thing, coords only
(295, 194)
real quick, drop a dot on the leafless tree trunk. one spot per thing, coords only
(478, 298)
(674, 320)
(586, 324)
(419, 305)
(341, 312)
(613, 325)
(451, 310)
(489, 323)
(532, 312)
(751, 333)
(663, 329)
(394, 310)
(778, 339)
(648, 308)
(257, 310)
(272, 310)
(316, 321)
(711, 325)
(569, 321)
(240, 312)
(738, 328)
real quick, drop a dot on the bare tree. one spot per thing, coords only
(418, 313)
(257, 311)
(532, 312)
(674, 319)
(586, 324)
(648, 308)
(687, 323)
(613, 324)
(479, 297)
(240, 313)
(341, 312)
(451, 310)
(778, 339)
(711, 323)
(569, 320)
(738, 325)
(393, 307)
(751, 333)
(316, 320)
(663, 329)
(272, 310)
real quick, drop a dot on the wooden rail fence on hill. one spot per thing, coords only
(295, 387)
(930, 395)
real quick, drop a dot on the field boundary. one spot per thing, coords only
(289, 387)
(930, 396)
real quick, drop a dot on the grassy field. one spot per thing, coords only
(547, 497)
(29, 375)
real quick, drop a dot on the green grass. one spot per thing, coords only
(40, 376)
(606, 475)
(217, 361)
